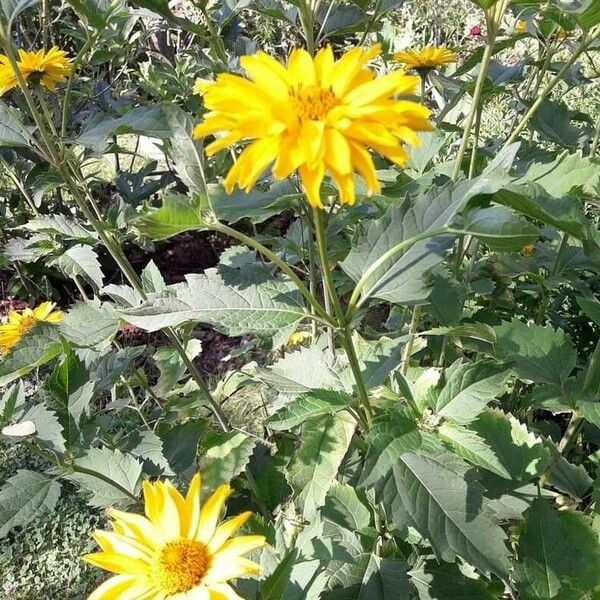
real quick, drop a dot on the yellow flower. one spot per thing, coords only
(521, 26)
(313, 115)
(298, 338)
(19, 323)
(429, 57)
(48, 68)
(178, 551)
(527, 250)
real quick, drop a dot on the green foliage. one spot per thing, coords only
(404, 391)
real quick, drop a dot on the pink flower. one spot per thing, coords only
(475, 31)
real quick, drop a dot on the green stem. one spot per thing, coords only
(475, 142)
(559, 254)
(412, 334)
(483, 71)
(596, 141)
(321, 236)
(585, 42)
(276, 260)
(354, 302)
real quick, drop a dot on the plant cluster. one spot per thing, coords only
(409, 403)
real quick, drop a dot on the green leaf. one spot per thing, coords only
(569, 478)
(434, 495)
(147, 446)
(315, 403)
(469, 445)
(370, 577)
(470, 387)
(225, 456)
(484, 3)
(66, 227)
(443, 581)
(564, 173)
(539, 353)
(80, 261)
(13, 8)
(37, 347)
(520, 451)
(553, 120)
(555, 548)
(171, 366)
(144, 120)
(185, 151)
(392, 433)
(109, 476)
(500, 228)
(23, 497)
(47, 426)
(590, 16)
(263, 307)
(177, 214)
(347, 507)
(180, 444)
(405, 278)
(90, 324)
(161, 7)
(325, 442)
(377, 360)
(13, 132)
(533, 201)
(12, 400)
(152, 280)
(97, 13)
(303, 370)
(71, 387)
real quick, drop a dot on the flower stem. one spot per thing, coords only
(343, 323)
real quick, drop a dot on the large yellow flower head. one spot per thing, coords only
(20, 322)
(313, 115)
(427, 58)
(178, 551)
(49, 68)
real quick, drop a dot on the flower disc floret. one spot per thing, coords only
(314, 116)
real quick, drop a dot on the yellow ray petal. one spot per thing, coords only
(226, 530)
(124, 587)
(222, 571)
(237, 546)
(211, 513)
(222, 591)
(118, 563)
(311, 181)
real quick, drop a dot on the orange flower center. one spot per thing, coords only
(312, 103)
(26, 324)
(181, 565)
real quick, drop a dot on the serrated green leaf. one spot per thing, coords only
(12, 400)
(469, 389)
(37, 347)
(245, 307)
(147, 446)
(13, 8)
(325, 442)
(469, 445)
(13, 132)
(309, 405)
(24, 496)
(520, 451)
(90, 324)
(433, 494)
(539, 353)
(224, 457)
(569, 478)
(61, 225)
(109, 476)
(392, 433)
(556, 547)
(80, 261)
(47, 426)
(180, 444)
(405, 278)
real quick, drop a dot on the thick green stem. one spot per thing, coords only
(321, 236)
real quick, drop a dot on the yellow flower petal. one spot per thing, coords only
(211, 513)
(222, 591)
(118, 563)
(227, 569)
(226, 530)
(124, 587)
